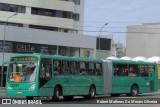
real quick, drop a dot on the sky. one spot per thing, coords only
(118, 14)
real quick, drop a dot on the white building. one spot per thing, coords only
(54, 15)
(143, 40)
(51, 15)
(119, 50)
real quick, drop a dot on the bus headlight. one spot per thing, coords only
(32, 87)
(8, 87)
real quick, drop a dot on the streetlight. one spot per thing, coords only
(99, 37)
(4, 40)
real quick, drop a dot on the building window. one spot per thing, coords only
(11, 24)
(76, 16)
(103, 44)
(64, 51)
(59, 13)
(12, 8)
(43, 27)
(77, 2)
(52, 13)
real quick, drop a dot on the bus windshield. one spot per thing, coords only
(25, 72)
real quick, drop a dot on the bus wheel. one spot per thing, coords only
(57, 92)
(29, 98)
(134, 90)
(92, 92)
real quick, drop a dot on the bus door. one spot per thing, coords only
(153, 78)
(45, 75)
(144, 79)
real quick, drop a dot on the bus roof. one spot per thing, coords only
(57, 57)
(132, 62)
(82, 58)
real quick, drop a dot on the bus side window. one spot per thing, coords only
(133, 70)
(73, 67)
(65, 67)
(114, 69)
(144, 70)
(46, 71)
(91, 69)
(122, 70)
(82, 70)
(98, 69)
(151, 68)
(57, 67)
(87, 68)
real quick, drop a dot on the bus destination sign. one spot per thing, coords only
(24, 58)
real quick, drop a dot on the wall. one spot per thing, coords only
(143, 41)
(48, 37)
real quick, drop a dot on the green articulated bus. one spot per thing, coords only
(40, 75)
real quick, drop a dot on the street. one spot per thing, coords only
(81, 102)
(101, 99)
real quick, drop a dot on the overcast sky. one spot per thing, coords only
(119, 14)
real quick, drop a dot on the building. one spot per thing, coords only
(54, 15)
(49, 27)
(143, 40)
(119, 50)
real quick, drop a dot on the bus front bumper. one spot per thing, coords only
(21, 93)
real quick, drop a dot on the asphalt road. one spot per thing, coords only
(81, 102)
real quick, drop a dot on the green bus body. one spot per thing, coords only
(75, 84)
(146, 84)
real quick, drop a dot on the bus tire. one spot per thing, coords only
(92, 92)
(134, 90)
(57, 92)
(29, 98)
